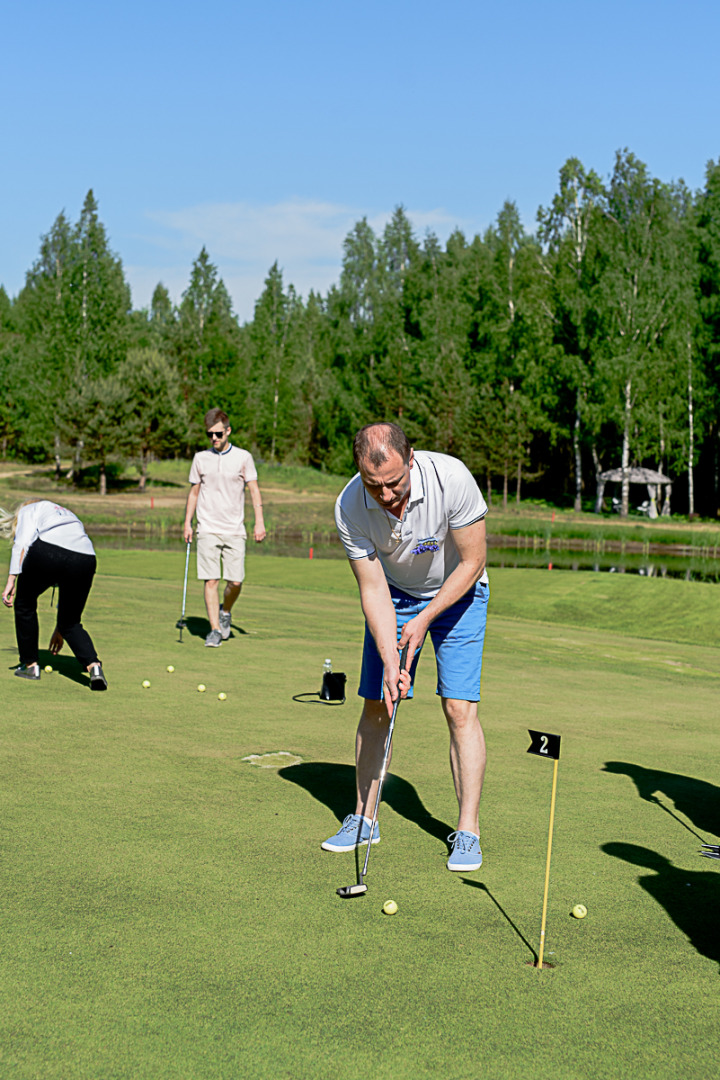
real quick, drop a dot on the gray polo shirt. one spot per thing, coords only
(418, 554)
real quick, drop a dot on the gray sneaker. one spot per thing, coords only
(97, 677)
(24, 671)
(214, 639)
(225, 621)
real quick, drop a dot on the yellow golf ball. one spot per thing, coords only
(389, 907)
(222, 697)
(146, 683)
(579, 911)
(170, 668)
(201, 688)
(48, 668)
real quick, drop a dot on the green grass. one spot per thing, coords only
(161, 475)
(601, 529)
(296, 499)
(167, 911)
(654, 608)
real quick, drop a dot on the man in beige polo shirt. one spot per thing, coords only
(219, 477)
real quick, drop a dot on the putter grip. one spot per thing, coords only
(403, 657)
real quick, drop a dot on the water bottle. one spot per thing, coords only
(333, 683)
(325, 690)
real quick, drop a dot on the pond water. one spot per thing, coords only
(555, 556)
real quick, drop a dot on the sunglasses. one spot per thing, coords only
(215, 434)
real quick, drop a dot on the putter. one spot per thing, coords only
(181, 624)
(360, 888)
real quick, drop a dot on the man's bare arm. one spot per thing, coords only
(259, 531)
(190, 511)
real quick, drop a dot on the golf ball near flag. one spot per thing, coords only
(579, 911)
(201, 688)
(222, 697)
(170, 668)
(146, 684)
(389, 907)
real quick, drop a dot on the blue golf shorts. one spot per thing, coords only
(457, 635)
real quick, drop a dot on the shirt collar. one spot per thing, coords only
(417, 483)
(221, 453)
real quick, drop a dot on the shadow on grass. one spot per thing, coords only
(697, 800)
(690, 897)
(198, 626)
(312, 697)
(334, 785)
(483, 887)
(67, 666)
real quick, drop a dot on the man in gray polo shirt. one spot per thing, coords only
(413, 528)
(219, 477)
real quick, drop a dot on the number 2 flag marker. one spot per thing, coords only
(548, 746)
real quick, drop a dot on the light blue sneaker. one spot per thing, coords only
(353, 833)
(466, 853)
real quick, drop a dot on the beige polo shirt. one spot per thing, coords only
(221, 499)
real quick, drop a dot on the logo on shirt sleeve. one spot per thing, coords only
(429, 544)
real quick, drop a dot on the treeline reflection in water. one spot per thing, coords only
(327, 546)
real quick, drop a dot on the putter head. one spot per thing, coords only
(347, 891)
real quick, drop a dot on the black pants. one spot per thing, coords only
(46, 565)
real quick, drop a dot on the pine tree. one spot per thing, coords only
(270, 379)
(205, 337)
(73, 313)
(153, 421)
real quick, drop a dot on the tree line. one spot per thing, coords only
(541, 359)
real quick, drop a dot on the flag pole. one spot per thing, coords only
(547, 867)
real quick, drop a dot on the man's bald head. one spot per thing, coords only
(375, 442)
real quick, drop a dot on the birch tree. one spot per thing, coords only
(707, 291)
(638, 287)
(567, 229)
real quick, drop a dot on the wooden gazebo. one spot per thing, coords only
(652, 479)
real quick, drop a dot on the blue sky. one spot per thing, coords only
(265, 131)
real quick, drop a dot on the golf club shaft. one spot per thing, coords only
(181, 621)
(187, 564)
(383, 769)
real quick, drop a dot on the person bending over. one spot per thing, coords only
(50, 548)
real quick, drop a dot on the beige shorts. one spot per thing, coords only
(213, 549)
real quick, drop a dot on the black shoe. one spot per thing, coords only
(97, 679)
(25, 672)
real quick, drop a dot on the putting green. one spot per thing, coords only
(166, 909)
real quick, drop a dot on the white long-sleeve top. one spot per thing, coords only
(49, 522)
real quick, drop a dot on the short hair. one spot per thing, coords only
(216, 416)
(373, 442)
